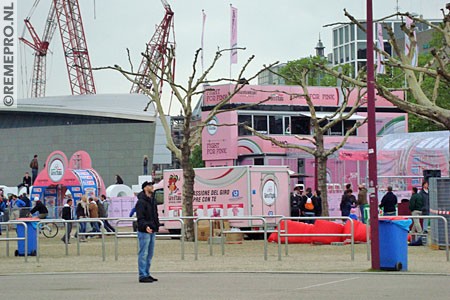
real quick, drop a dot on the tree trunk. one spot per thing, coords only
(322, 183)
(188, 192)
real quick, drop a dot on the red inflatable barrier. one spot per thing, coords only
(293, 228)
(359, 231)
(323, 226)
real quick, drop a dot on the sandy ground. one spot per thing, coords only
(245, 257)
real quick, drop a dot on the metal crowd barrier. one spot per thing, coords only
(221, 219)
(78, 233)
(118, 234)
(287, 235)
(418, 217)
(7, 239)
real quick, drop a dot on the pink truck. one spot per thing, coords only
(235, 191)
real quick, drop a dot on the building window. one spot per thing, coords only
(259, 161)
(361, 35)
(336, 129)
(341, 54)
(348, 124)
(352, 51)
(341, 35)
(362, 50)
(336, 58)
(335, 37)
(276, 125)
(287, 125)
(260, 124)
(300, 125)
(347, 53)
(346, 28)
(352, 32)
(247, 120)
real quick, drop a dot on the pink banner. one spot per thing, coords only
(353, 155)
(219, 140)
(202, 41)
(380, 45)
(233, 38)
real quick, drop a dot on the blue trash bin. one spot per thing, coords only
(393, 236)
(32, 237)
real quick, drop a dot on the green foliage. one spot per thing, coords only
(316, 77)
(196, 157)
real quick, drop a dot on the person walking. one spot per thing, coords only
(103, 207)
(145, 164)
(66, 214)
(416, 207)
(82, 212)
(389, 203)
(362, 200)
(426, 204)
(34, 165)
(93, 213)
(148, 225)
(347, 201)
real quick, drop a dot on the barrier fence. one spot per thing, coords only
(221, 219)
(287, 235)
(7, 239)
(78, 233)
(119, 234)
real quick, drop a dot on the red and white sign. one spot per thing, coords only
(235, 210)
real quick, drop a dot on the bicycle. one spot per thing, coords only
(49, 230)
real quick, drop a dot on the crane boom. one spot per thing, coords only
(155, 51)
(40, 46)
(75, 47)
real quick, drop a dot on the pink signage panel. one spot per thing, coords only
(219, 139)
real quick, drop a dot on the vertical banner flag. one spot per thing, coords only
(408, 49)
(233, 39)
(380, 45)
(202, 41)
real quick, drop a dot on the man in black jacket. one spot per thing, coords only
(389, 203)
(66, 214)
(148, 225)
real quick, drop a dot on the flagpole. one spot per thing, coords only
(231, 35)
(372, 141)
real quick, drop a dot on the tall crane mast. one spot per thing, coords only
(155, 51)
(65, 13)
(40, 46)
(75, 47)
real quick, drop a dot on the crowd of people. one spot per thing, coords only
(306, 203)
(13, 207)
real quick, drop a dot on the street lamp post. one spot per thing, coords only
(372, 141)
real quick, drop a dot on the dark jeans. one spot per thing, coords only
(34, 174)
(66, 236)
(108, 226)
(22, 185)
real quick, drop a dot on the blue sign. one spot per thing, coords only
(235, 193)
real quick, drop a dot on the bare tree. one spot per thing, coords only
(186, 96)
(423, 102)
(319, 126)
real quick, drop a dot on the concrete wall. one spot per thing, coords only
(116, 148)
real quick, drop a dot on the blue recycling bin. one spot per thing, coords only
(32, 237)
(393, 239)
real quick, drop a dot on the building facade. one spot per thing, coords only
(349, 41)
(113, 129)
(287, 118)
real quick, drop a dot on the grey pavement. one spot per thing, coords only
(213, 285)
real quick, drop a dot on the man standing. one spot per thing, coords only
(308, 205)
(103, 208)
(26, 182)
(66, 214)
(362, 200)
(296, 198)
(389, 203)
(416, 206)
(34, 165)
(148, 225)
(426, 204)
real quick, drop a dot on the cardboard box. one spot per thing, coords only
(203, 230)
(234, 237)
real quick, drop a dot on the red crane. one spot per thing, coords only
(156, 51)
(40, 46)
(65, 13)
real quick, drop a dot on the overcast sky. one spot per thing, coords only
(279, 30)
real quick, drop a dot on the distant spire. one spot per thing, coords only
(320, 49)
